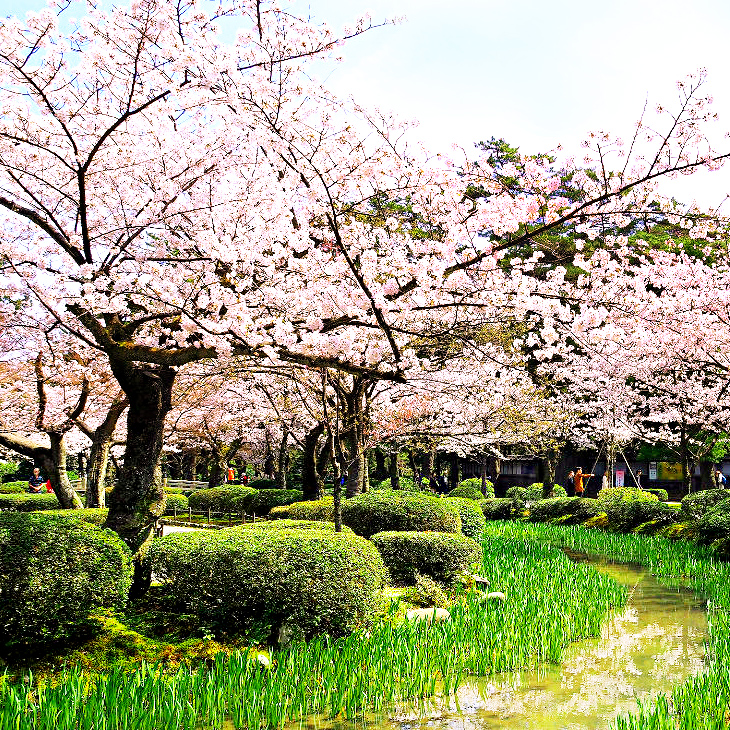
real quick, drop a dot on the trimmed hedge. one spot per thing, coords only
(465, 491)
(222, 499)
(473, 521)
(442, 556)
(475, 483)
(661, 494)
(262, 484)
(93, 515)
(314, 580)
(564, 510)
(627, 507)
(534, 492)
(175, 500)
(54, 572)
(713, 528)
(13, 487)
(322, 510)
(405, 484)
(390, 510)
(265, 500)
(287, 524)
(697, 505)
(29, 502)
(496, 509)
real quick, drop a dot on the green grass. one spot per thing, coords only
(550, 602)
(703, 701)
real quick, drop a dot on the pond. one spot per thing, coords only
(650, 646)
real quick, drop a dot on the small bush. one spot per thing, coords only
(534, 492)
(387, 510)
(628, 507)
(476, 483)
(496, 509)
(54, 572)
(322, 510)
(262, 484)
(697, 505)
(426, 593)
(517, 494)
(441, 555)
(175, 501)
(405, 484)
(660, 494)
(287, 524)
(29, 502)
(315, 580)
(714, 525)
(473, 521)
(222, 499)
(564, 510)
(466, 491)
(266, 499)
(13, 487)
(94, 516)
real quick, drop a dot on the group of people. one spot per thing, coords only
(576, 481)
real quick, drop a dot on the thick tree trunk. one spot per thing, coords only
(281, 461)
(312, 484)
(59, 478)
(366, 474)
(381, 471)
(393, 470)
(356, 473)
(191, 466)
(707, 480)
(138, 500)
(550, 463)
(218, 469)
(428, 463)
(96, 481)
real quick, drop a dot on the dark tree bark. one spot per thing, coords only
(356, 474)
(281, 460)
(428, 463)
(454, 471)
(138, 500)
(218, 467)
(707, 480)
(314, 463)
(393, 470)
(550, 463)
(381, 471)
(191, 465)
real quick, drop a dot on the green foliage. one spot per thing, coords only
(317, 581)
(713, 529)
(54, 572)
(389, 510)
(441, 555)
(263, 483)
(496, 509)
(534, 492)
(426, 593)
(266, 499)
(518, 494)
(405, 484)
(291, 524)
(7, 468)
(472, 517)
(564, 510)
(466, 491)
(13, 487)
(96, 516)
(29, 502)
(320, 510)
(627, 508)
(660, 494)
(697, 505)
(476, 483)
(175, 501)
(222, 499)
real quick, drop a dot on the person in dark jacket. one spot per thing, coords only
(36, 481)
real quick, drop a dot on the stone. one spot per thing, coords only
(497, 596)
(428, 615)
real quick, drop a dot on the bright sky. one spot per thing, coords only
(537, 73)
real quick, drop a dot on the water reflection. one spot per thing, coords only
(651, 646)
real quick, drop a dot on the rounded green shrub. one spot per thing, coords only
(175, 501)
(442, 556)
(287, 524)
(94, 516)
(697, 505)
(714, 525)
(13, 487)
(322, 510)
(262, 483)
(517, 494)
(265, 500)
(221, 499)
(476, 483)
(473, 521)
(466, 492)
(55, 571)
(564, 510)
(660, 494)
(315, 580)
(390, 510)
(496, 509)
(534, 492)
(405, 484)
(29, 502)
(628, 507)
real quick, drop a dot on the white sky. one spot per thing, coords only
(537, 73)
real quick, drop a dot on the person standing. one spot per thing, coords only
(637, 479)
(570, 484)
(35, 482)
(720, 481)
(580, 479)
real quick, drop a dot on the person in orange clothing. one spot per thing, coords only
(231, 475)
(580, 480)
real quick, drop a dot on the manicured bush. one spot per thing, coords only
(314, 580)
(628, 507)
(389, 510)
(221, 499)
(321, 510)
(441, 555)
(466, 491)
(94, 516)
(262, 502)
(473, 521)
(496, 509)
(405, 484)
(661, 494)
(175, 501)
(697, 505)
(262, 484)
(13, 487)
(29, 502)
(287, 524)
(713, 528)
(426, 593)
(534, 492)
(476, 483)
(564, 510)
(518, 494)
(54, 572)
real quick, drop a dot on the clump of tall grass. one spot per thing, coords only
(550, 602)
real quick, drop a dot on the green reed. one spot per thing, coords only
(703, 701)
(550, 602)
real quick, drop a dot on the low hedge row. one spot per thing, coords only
(94, 516)
(175, 501)
(473, 521)
(441, 555)
(697, 505)
(321, 510)
(13, 487)
(222, 499)
(29, 502)
(311, 580)
(497, 509)
(266, 499)
(55, 571)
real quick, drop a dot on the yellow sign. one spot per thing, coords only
(669, 472)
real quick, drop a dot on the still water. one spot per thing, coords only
(652, 645)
